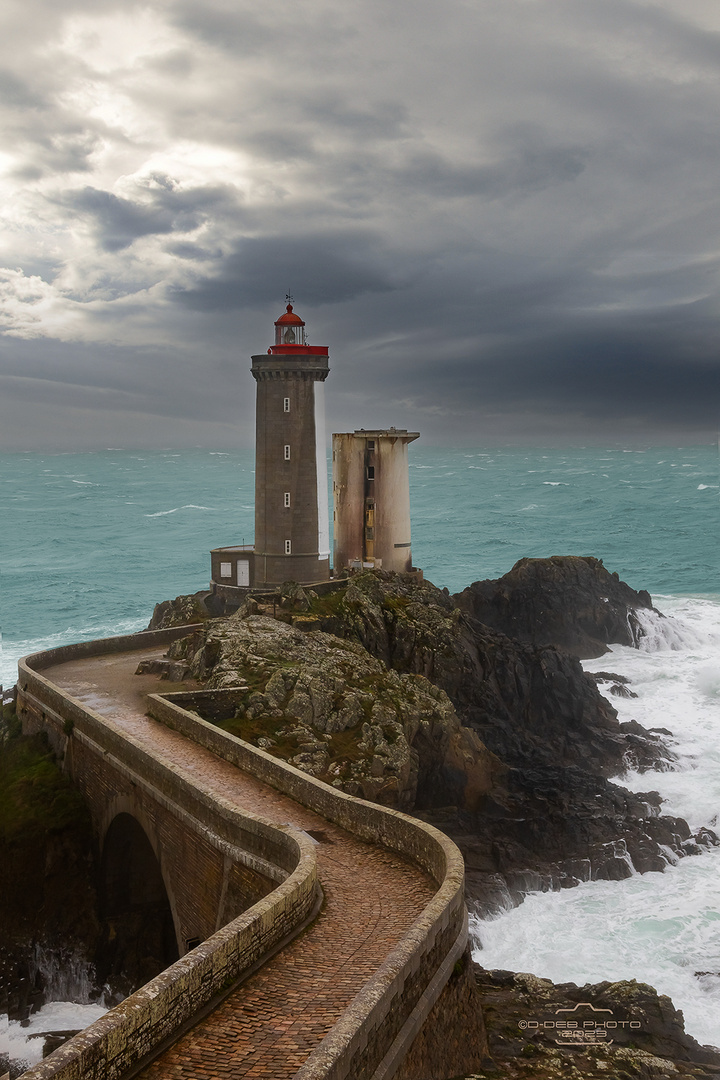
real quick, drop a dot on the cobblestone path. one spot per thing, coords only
(270, 1024)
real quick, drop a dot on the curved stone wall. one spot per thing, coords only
(168, 1004)
(374, 1033)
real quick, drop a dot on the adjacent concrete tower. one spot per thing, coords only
(371, 498)
(292, 541)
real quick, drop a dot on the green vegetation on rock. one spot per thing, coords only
(35, 797)
(331, 708)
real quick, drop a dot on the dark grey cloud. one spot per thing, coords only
(18, 91)
(328, 269)
(497, 215)
(117, 221)
(605, 372)
(232, 30)
(526, 170)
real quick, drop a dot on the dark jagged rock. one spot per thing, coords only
(645, 748)
(539, 813)
(548, 816)
(529, 1023)
(182, 611)
(569, 601)
(553, 814)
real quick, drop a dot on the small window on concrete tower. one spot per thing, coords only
(371, 444)
(288, 547)
(287, 451)
(371, 472)
(286, 501)
(286, 404)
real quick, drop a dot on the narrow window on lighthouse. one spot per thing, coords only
(288, 547)
(286, 404)
(287, 498)
(287, 451)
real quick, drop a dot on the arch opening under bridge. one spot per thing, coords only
(139, 937)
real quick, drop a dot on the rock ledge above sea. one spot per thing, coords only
(570, 601)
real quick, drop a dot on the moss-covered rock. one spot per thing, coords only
(542, 1030)
(333, 710)
(47, 885)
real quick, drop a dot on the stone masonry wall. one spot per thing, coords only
(376, 1032)
(130, 1032)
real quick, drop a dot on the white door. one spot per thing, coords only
(243, 572)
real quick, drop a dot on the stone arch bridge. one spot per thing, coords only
(301, 932)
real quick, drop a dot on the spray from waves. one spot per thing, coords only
(71, 1004)
(654, 632)
(659, 928)
(65, 975)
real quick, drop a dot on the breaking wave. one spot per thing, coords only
(188, 506)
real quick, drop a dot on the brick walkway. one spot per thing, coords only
(268, 1027)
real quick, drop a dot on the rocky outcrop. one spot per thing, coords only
(540, 1030)
(542, 811)
(553, 818)
(181, 611)
(569, 601)
(335, 711)
(404, 698)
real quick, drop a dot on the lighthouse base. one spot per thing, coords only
(241, 568)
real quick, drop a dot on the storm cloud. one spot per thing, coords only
(501, 216)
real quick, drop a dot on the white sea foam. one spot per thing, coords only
(25, 1043)
(660, 633)
(657, 928)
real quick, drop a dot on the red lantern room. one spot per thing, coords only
(289, 329)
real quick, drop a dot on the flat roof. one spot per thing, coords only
(380, 433)
(237, 547)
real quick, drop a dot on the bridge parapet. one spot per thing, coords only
(371, 1038)
(164, 1007)
(374, 1034)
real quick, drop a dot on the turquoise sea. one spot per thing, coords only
(90, 542)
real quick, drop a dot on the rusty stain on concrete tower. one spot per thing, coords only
(371, 500)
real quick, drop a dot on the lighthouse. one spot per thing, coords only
(292, 535)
